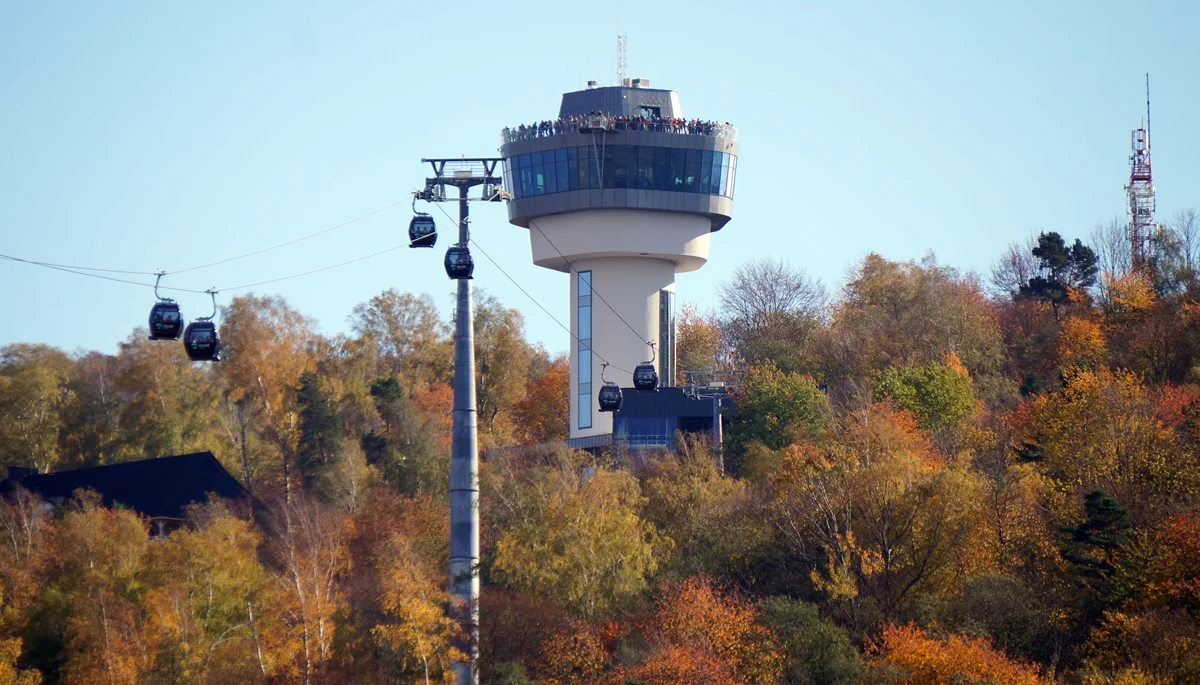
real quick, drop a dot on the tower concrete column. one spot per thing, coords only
(632, 287)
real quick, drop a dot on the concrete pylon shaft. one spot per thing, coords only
(464, 476)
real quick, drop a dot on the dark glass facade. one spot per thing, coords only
(666, 338)
(636, 167)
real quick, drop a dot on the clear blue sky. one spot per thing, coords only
(162, 135)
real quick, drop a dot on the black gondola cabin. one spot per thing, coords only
(645, 378)
(458, 262)
(200, 341)
(610, 397)
(421, 231)
(166, 321)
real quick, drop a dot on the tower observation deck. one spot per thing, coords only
(621, 192)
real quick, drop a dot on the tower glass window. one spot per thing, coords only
(584, 380)
(642, 167)
(666, 338)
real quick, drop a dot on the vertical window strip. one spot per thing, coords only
(666, 339)
(583, 387)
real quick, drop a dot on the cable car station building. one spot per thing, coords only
(621, 192)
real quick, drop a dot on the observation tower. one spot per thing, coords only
(621, 192)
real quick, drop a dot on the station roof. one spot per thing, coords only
(155, 488)
(630, 101)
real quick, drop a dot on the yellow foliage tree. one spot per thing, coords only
(204, 610)
(1081, 343)
(10, 674)
(587, 546)
(103, 553)
(1129, 294)
(415, 601)
(1101, 431)
(877, 510)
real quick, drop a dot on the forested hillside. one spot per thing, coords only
(931, 477)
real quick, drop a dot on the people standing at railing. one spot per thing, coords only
(596, 120)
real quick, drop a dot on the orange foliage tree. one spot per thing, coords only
(697, 614)
(437, 404)
(543, 414)
(908, 655)
(683, 664)
(578, 655)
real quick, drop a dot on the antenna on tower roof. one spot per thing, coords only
(620, 60)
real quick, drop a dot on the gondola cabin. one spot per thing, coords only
(645, 378)
(200, 341)
(458, 262)
(421, 231)
(610, 397)
(166, 321)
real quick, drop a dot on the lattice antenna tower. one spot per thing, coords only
(1140, 192)
(621, 78)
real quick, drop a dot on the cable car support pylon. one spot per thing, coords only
(464, 174)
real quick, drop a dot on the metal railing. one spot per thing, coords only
(603, 122)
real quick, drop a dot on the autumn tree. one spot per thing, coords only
(309, 546)
(103, 555)
(1013, 269)
(908, 314)
(578, 655)
(414, 602)
(774, 410)
(543, 414)
(412, 450)
(266, 350)
(876, 510)
(25, 553)
(770, 312)
(907, 654)
(699, 344)
(940, 395)
(33, 392)
(697, 614)
(1101, 431)
(91, 433)
(502, 362)
(717, 522)
(409, 334)
(675, 663)
(584, 544)
(513, 628)
(1081, 343)
(762, 288)
(10, 672)
(206, 604)
(170, 403)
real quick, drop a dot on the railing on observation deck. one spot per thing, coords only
(601, 122)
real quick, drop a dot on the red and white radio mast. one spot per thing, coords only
(1140, 192)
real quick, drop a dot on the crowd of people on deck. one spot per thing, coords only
(596, 120)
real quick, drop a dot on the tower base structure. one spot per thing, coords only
(622, 301)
